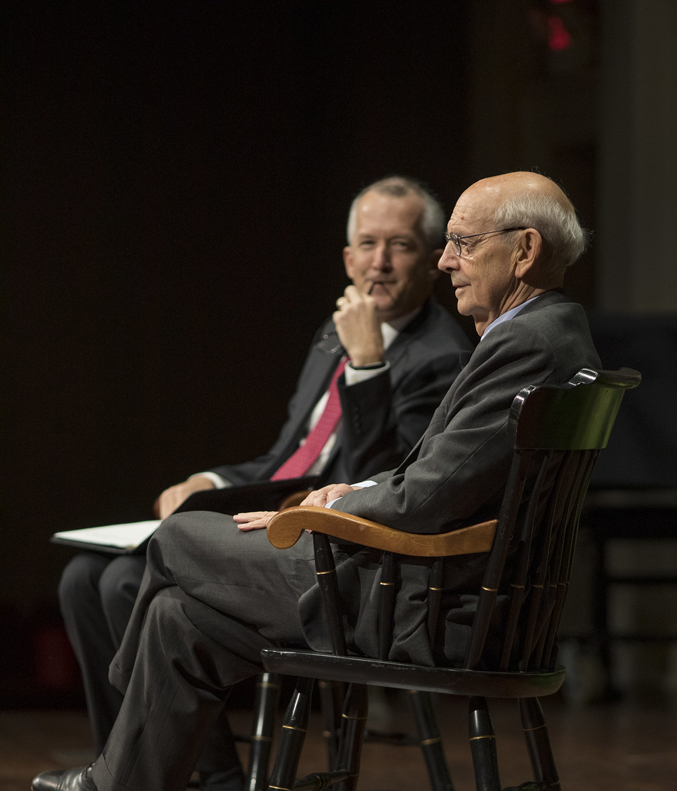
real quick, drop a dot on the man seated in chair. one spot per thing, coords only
(213, 596)
(400, 350)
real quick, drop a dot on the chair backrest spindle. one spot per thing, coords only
(435, 600)
(522, 561)
(386, 604)
(326, 579)
(492, 578)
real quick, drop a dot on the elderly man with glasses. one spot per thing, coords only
(214, 595)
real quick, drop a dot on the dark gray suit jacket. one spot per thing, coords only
(384, 416)
(454, 476)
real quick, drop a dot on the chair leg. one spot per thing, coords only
(331, 698)
(353, 721)
(538, 744)
(483, 746)
(293, 735)
(265, 707)
(430, 741)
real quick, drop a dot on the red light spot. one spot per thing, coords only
(559, 37)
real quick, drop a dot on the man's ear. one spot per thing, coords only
(348, 261)
(527, 252)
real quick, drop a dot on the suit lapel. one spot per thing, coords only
(436, 425)
(397, 348)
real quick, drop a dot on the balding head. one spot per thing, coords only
(529, 200)
(521, 182)
(519, 233)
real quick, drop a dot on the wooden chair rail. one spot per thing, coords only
(285, 528)
(447, 680)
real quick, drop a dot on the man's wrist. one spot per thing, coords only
(368, 366)
(362, 357)
(354, 374)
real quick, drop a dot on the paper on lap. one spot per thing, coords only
(124, 537)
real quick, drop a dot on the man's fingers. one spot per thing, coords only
(318, 498)
(326, 494)
(253, 520)
(172, 498)
(168, 502)
(351, 297)
(312, 498)
(249, 516)
(258, 525)
(353, 294)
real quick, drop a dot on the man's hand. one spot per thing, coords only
(253, 520)
(359, 328)
(326, 494)
(172, 498)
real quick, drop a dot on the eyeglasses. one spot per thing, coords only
(456, 239)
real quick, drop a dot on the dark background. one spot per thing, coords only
(176, 183)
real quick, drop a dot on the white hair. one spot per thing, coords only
(564, 240)
(434, 219)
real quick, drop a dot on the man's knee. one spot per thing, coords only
(181, 538)
(166, 617)
(120, 581)
(173, 528)
(79, 582)
(199, 642)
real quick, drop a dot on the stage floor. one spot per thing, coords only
(618, 747)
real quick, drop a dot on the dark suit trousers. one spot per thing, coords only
(97, 595)
(211, 598)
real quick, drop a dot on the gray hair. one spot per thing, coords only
(564, 240)
(434, 218)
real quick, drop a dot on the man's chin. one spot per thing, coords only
(392, 312)
(385, 307)
(462, 307)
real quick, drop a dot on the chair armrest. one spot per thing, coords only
(285, 528)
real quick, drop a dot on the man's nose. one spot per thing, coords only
(449, 259)
(381, 258)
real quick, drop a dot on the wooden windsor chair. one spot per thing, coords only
(558, 433)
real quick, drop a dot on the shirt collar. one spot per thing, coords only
(391, 329)
(509, 314)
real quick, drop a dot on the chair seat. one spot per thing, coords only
(451, 681)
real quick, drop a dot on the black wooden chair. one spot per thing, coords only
(558, 433)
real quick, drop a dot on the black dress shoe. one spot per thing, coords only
(78, 779)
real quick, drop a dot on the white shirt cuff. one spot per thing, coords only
(217, 480)
(356, 375)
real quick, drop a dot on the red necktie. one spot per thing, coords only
(307, 454)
